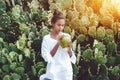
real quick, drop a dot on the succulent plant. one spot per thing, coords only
(67, 29)
(5, 21)
(88, 54)
(111, 48)
(6, 77)
(81, 38)
(100, 34)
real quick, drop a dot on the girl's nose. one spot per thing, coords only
(60, 27)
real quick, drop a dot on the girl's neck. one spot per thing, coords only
(55, 33)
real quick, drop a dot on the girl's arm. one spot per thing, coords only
(70, 49)
(71, 54)
(53, 51)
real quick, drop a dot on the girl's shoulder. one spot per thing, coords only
(46, 36)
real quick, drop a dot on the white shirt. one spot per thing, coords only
(58, 66)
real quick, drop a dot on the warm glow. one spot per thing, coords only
(111, 7)
(116, 3)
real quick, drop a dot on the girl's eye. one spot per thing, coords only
(59, 25)
(63, 25)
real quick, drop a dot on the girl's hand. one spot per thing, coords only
(70, 49)
(60, 36)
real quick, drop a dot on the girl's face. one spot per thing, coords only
(58, 26)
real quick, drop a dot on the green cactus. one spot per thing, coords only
(20, 57)
(43, 32)
(2, 34)
(31, 36)
(5, 21)
(41, 71)
(1, 54)
(111, 61)
(14, 48)
(13, 66)
(24, 18)
(111, 48)
(92, 32)
(83, 30)
(34, 72)
(88, 54)
(1, 44)
(25, 77)
(5, 51)
(100, 46)
(16, 12)
(2, 5)
(115, 71)
(33, 28)
(101, 59)
(109, 32)
(81, 38)
(29, 44)
(103, 71)
(24, 28)
(100, 34)
(6, 68)
(20, 70)
(6, 77)
(109, 38)
(3, 60)
(2, 12)
(21, 42)
(13, 56)
(67, 29)
(40, 65)
(15, 76)
(75, 68)
(26, 52)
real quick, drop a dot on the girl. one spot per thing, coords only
(58, 59)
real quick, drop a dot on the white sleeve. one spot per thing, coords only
(45, 51)
(73, 58)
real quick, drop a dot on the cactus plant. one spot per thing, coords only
(2, 5)
(83, 30)
(100, 46)
(15, 76)
(34, 72)
(109, 38)
(92, 31)
(5, 21)
(81, 38)
(100, 34)
(16, 12)
(88, 54)
(6, 77)
(112, 48)
(13, 66)
(67, 29)
(31, 36)
(19, 70)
